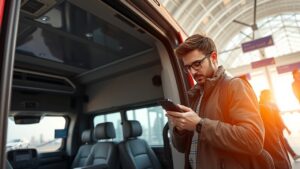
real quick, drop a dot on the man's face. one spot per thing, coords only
(200, 66)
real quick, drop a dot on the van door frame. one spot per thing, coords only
(8, 37)
(148, 16)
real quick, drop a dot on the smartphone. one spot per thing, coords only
(168, 105)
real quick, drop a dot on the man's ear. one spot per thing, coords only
(214, 57)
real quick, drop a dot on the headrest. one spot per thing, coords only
(132, 128)
(86, 136)
(105, 131)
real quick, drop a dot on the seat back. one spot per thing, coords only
(23, 158)
(84, 150)
(136, 153)
(103, 151)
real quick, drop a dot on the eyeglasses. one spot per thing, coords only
(196, 65)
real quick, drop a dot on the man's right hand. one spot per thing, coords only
(186, 120)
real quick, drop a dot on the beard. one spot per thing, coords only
(200, 78)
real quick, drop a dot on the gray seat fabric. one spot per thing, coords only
(80, 159)
(136, 153)
(104, 152)
(8, 166)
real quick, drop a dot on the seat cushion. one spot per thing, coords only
(137, 154)
(104, 153)
(80, 159)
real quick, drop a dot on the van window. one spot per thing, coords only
(40, 136)
(153, 120)
(115, 118)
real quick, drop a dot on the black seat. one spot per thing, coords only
(104, 151)
(23, 159)
(80, 159)
(136, 153)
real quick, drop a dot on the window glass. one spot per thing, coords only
(100, 41)
(115, 118)
(39, 136)
(153, 120)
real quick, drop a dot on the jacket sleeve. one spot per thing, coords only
(180, 140)
(245, 132)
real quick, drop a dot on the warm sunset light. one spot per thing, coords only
(282, 89)
(285, 99)
(284, 95)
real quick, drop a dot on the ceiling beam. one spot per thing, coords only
(265, 8)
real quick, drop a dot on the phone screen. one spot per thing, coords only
(168, 105)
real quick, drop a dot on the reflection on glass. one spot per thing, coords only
(153, 120)
(97, 43)
(39, 136)
(42, 44)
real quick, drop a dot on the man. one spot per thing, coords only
(209, 137)
(296, 83)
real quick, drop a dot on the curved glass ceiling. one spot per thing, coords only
(216, 19)
(285, 30)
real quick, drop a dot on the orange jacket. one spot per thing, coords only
(224, 145)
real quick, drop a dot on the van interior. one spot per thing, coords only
(87, 79)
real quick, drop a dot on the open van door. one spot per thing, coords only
(154, 18)
(9, 16)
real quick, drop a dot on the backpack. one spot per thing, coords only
(262, 161)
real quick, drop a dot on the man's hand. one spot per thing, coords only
(186, 120)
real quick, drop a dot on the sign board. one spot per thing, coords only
(288, 68)
(262, 63)
(257, 44)
(60, 133)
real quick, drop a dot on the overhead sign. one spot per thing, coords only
(262, 63)
(60, 133)
(257, 44)
(288, 68)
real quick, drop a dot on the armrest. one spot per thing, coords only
(98, 166)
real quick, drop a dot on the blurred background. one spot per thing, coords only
(257, 40)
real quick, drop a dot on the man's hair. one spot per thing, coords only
(202, 43)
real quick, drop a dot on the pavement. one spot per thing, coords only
(296, 164)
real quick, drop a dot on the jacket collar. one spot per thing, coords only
(209, 84)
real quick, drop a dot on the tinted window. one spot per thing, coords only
(153, 120)
(40, 136)
(96, 43)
